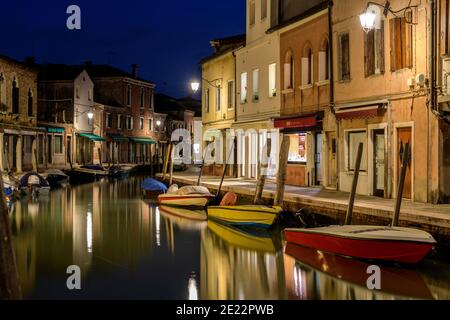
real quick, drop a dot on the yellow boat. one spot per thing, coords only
(261, 242)
(245, 215)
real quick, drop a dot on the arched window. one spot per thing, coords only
(30, 103)
(15, 97)
(2, 81)
(289, 70)
(324, 60)
(307, 65)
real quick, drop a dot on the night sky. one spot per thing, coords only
(167, 38)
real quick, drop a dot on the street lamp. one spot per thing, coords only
(371, 17)
(158, 123)
(90, 115)
(195, 86)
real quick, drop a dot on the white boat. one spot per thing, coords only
(188, 196)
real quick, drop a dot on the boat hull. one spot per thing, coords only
(254, 216)
(184, 201)
(404, 251)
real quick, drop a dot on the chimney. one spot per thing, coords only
(31, 60)
(134, 70)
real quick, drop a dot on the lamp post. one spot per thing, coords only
(371, 17)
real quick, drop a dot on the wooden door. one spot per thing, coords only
(332, 154)
(404, 137)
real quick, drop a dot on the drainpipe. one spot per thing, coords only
(433, 76)
(389, 152)
(332, 102)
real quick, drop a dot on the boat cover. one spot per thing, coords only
(23, 183)
(190, 190)
(153, 185)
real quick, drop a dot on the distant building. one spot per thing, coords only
(18, 105)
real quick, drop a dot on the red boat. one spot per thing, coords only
(393, 244)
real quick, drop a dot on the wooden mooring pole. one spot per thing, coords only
(172, 156)
(282, 168)
(351, 202)
(401, 184)
(9, 278)
(263, 172)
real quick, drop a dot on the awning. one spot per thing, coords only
(117, 137)
(142, 140)
(297, 123)
(55, 130)
(358, 113)
(92, 137)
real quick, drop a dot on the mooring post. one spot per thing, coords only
(401, 184)
(166, 160)
(172, 155)
(9, 278)
(351, 202)
(263, 172)
(282, 169)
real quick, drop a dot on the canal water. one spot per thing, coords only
(128, 248)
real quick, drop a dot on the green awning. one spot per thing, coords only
(117, 137)
(91, 136)
(142, 140)
(55, 130)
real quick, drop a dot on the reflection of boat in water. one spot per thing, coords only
(396, 244)
(245, 239)
(347, 273)
(245, 215)
(185, 212)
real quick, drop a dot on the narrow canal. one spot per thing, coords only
(128, 248)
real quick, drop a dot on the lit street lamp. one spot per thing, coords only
(158, 123)
(90, 115)
(195, 86)
(371, 17)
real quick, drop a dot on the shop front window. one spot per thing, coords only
(298, 148)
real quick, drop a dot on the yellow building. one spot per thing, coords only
(219, 99)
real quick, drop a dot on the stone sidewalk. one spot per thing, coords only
(367, 210)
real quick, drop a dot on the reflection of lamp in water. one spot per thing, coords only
(158, 230)
(33, 208)
(89, 232)
(192, 287)
(299, 282)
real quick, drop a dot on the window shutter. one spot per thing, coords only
(287, 76)
(311, 69)
(305, 70)
(322, 66)
(369, 55)
(379, 45)
(408, 41)
(345, 57)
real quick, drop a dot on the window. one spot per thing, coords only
(207, 100)
(354, 139)
(15, 97)
(252, 12)
(129, 122)
(128, 95)
(401, 42)
(374, 52)
(298, 147)
(77, 92)
(244, 87)
(307, 67)
(150, 124)
(218, 98)
(263, 9)
(142, 98)
(109, 120)
(58, 144)
(230, 95)
(141, 123)
(28, 144)
(324, 62)
(255, 85)
(150, 101)
(272, 80)
(119, 121)
(289, 71)
(90, 95)
(30, 103)
(344, 57)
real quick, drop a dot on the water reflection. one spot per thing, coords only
(127, 248)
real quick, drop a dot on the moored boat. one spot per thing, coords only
(87, 173)
(56, 178)
(152, 188)
(188, 196)
(394, 244)
(34, 184)
(245, 215)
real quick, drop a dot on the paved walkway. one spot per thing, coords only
(434, 218)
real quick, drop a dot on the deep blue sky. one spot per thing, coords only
(167, 38)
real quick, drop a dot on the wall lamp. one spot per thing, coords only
(371, 17)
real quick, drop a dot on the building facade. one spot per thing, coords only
(18, 109)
